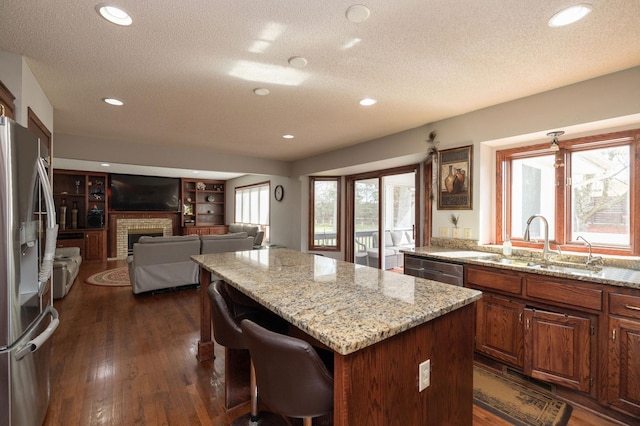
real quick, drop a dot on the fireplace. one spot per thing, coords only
(132, 228)
(134, 235)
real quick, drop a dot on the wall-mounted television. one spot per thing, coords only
(144, 193)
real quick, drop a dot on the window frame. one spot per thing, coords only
(563, 200)
(263, 227)
(312, 215)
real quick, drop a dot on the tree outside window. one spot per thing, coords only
(324, 196)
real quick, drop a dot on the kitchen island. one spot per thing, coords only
(380, 326)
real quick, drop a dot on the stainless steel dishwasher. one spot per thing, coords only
(437, 270)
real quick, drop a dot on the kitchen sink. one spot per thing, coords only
(565, 268)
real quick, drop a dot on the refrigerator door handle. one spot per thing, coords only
(35, 343)
(52, 228)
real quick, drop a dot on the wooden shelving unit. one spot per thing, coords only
(203, 206)
(86, 193)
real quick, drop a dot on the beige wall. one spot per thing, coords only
(284, 215)
(17, 76)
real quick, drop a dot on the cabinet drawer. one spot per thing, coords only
(625, 305)
(504, 282)
(566, 293)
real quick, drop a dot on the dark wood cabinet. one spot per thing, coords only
(528, 322)
(557, 348)
(624, 352)
(499, 331)
(7, 102)
(205, 230)
(95, 245)
(81, 200)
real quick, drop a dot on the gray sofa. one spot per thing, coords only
(251, 230)
(161, 263)
(66, 264)
(233, 241)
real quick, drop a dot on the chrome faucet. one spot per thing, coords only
(546, 251)
(590, 259)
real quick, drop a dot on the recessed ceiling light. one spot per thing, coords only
(298, 61)
(114, 14)
(195, 172)
(113, 101)
(105, 165)
(260, 91)
(358, 13)
(368, 102)
(288, 136)
(569, 15)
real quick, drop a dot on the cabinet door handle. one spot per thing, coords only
(633, 308)
(520, 317)
(613, 335)
(528, 324)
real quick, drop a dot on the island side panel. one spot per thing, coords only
(378, 385)
(205, 344)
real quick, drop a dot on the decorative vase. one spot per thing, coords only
(458, 183)
(448, 181)
(62, 222)
(74, 216)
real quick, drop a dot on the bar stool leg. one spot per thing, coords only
(254, 395)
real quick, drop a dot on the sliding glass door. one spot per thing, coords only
(383, 219)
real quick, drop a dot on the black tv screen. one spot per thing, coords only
(144, 193)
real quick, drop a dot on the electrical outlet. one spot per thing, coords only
(444, 232)
(424, 375)
(467, 233)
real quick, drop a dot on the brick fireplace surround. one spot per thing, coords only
(121, 224)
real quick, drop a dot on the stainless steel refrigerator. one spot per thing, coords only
(28, 234)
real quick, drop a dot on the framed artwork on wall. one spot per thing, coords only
(455, 188)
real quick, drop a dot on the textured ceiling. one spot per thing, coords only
(186, 70)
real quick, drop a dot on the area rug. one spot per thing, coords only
(520, 404)
(117, 277)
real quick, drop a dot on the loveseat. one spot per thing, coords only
(165, 262)
(66, 264)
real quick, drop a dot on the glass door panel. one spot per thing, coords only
(384, 219)
(366, 220)
(399, 217)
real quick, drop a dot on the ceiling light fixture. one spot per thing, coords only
(105, 165)
(113, 101)
(358, 13)
(367, 102)
(288, 136)
(114, 15)
(554, 143)
(298, 62)
(569, 15)
(261, 91)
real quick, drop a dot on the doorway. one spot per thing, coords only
(382, 210)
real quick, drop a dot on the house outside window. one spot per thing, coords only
(324, 211)
(586, 189)
(252, 206)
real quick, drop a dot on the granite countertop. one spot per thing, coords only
(611, 275)
(343, 305)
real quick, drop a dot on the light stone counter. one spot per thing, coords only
(345, 306)
(610, 275)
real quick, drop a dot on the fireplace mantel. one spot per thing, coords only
(139, 220)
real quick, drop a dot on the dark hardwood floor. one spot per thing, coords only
(121, 359)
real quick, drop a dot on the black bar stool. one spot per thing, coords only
(226, 318)
(292, 379)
